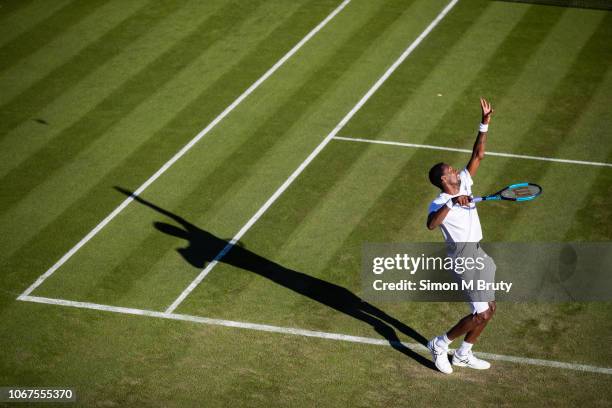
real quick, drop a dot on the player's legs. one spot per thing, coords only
(482, 313)
(472, 326)
(473, 323)
(472, 335)
(463, 356)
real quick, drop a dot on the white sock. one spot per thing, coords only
(443, 341)
(465, 348)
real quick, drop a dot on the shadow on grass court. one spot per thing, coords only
(204, 247)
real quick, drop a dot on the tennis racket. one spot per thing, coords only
(515, 192)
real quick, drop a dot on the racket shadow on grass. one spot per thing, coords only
(203, 247)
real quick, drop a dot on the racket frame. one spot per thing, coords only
(498, 196)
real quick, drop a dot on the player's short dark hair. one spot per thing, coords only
(435, 174)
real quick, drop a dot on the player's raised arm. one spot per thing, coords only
(479, 146)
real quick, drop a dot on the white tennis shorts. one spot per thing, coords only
(479, 307)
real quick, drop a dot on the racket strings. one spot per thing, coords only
(520, 192)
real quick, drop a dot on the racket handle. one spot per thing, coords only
(476, 199)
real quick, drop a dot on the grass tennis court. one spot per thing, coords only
(96, 96)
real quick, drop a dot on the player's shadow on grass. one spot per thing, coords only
(204, 247)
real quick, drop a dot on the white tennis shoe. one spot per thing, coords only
(440, 357)
(471, 361)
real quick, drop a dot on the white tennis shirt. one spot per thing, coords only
(461, 223)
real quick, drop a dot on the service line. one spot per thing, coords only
(454, 149)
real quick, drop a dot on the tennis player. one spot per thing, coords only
(458, 220)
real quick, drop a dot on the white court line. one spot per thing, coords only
(184, 150)
(452, 149)
(306, 333)
(310, 157)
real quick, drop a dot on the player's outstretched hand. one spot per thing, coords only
(462, 200)
(487, 111)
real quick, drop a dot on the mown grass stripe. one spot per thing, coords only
(22, 74)
(46, 31)
(71, 106)
(16, 17)
(572, 96)
(592, 209)
(8, 8)
(41, 165)
(27, 104)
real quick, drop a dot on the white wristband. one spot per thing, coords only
(483, 128)
(450, 203)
